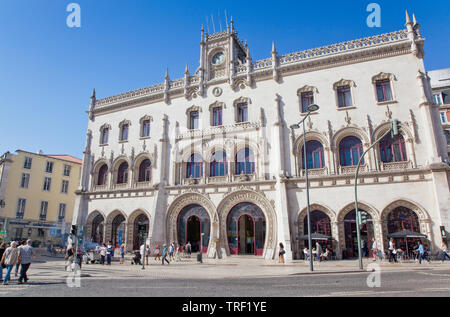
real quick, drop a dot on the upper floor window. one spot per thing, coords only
(193, 120)
(61, 212)
(67, 169)
(437, 99)
(443, 117)
(350, 151)
(447, 136)
(344, 97)
(194, 167)
(217, 116)
(384, 92)
(21, 208)
(43, 212)
(218, 165)
(145, 171)
(145, 129)
(124, 132)
(314, 155)
(122, 174)
(104, 136)
(102, 175)
(245, 162)
(65, 186)
(27, 162)
(25, 180)
(393, 149)
(242, 112)
(47, 184)
(307, 100)
(49, 167)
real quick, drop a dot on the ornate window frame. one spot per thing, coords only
(238, 101)
(384, 76)
(343, 83)
(188, 116)
(141, 124)
(102, 128)
(121, 124)
(217, 104)
(306, 89)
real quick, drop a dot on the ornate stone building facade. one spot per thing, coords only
(210, 158)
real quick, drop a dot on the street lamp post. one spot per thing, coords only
(393, 130)
(311, 108)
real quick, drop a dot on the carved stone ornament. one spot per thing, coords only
(217, 92)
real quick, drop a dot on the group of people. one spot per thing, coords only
(319, 253)
(14, 255)
(168, 254)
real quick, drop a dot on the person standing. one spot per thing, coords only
(171, 250)
(2, 266)
(157, 253)
(392, 251)
(147, 253)
(179, 251)
(164, 255)
(374, 249)
(102, 254)
(188, 249)
(444, 249)
(318, 250)
(20, 245)
(281, 253)
(70, 256)
(25, 255)
(122, 253)
(109, 252)
(9, 259)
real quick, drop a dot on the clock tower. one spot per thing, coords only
(220, 55)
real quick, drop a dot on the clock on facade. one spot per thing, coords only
(218, 58)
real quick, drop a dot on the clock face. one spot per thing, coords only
(218, 59)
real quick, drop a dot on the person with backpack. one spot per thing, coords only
(164, 255)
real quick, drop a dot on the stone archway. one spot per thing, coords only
(374, 214)
(249, 196)
(131, 227)
(192, 199)
(109, 224)
(423, 217)
(91, 222)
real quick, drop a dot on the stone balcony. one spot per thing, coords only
(394, 166)
(352, 169)
(316, 172)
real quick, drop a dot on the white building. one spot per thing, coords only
(214, 150)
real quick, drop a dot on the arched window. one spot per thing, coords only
(402, 218)
(350, 151)
(393, 149)
(103, 175)
(122, 174)
(314, 155)
(104, 137)
(245, 162)
(194, 167)
(218, 165)
(320, 223)
(145, 171)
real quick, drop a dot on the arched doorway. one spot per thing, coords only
(118, 230)
(193, 220)
(140, 232)
(98, 225)
(321, 224)
(246, 229)
(403, 218)
(366, 234)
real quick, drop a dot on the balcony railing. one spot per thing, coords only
(394, 166)
(316, 172)
(352, 169)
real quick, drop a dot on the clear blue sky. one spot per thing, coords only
(48, 71)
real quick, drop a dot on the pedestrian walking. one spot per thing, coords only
(374, 249)
(164, 254)
(122, 253)
(19, 246)
(444, 249)
(171, 251)
(2, 266)
(318, 250)
(26, 253)
(102, 254)
(10, 258)
(281, 253)
(109, 252)
(147, 253)
(188, 249)
(157, 253)
(392, 251)
(421, 251)
(179, 251)
(69, 257)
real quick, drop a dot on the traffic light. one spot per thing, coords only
(74, 230)
(396, 127)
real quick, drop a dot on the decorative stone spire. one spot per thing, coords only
(274, 62)
(203, 35)
(92, 105)
(408, 19)
(232, 25)
(274, 50)
(411, 34)
(186, 72)
(166, 86)
(167, 78)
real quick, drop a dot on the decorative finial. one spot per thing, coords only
(93, 95)
(232, 24)
(167, 74)
(273, 47)
(414, 19)
(186, 72)
(408, 19)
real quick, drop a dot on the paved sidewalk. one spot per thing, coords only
(51, 269)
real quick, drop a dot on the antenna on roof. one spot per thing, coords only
(212, 21)
(226, 21)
